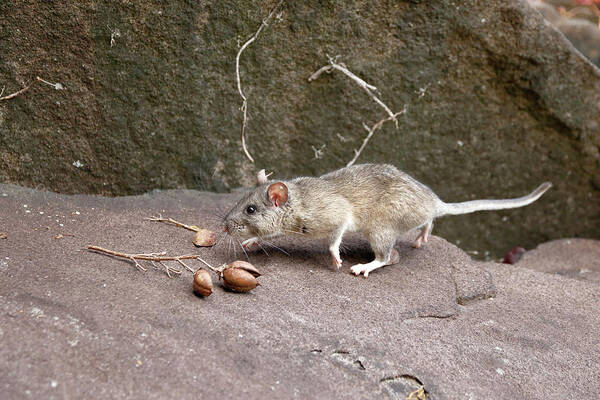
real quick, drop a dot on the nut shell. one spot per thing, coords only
(239, 280)
(203, 283)
(245, 266)
(205, 238)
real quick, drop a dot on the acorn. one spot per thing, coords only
(245, 266)
(203, 283)
(205, 238)
(239, 279)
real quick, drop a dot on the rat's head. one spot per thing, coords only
(259, 212)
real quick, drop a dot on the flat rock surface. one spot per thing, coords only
(77, 324)
(575, 258)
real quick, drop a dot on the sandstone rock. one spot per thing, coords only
(82, 325)
(574, 258)
(584, 35)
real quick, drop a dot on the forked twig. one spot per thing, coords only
(153, 258)
(368, 88)
(333, 65)
(244, 107)
(371, 131)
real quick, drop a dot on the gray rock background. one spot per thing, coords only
(76, 324)
(508, 102)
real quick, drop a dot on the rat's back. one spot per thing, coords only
(383, 195)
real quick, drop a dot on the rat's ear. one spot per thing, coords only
(261, 177)
(278, 194)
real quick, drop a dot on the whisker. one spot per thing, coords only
(263, 249)
(220, 237)
(244, 250)
(296, 232)
(278, 248)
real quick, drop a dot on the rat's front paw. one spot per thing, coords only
(250, 243)
(337, 261)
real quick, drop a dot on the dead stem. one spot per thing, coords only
(368, 88)
(333, 65)
(56, 86)
(153, 258)
(15, 94)
(173, 222)
(371, 131)
(244, 107)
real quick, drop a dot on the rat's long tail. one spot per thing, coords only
(480, 205)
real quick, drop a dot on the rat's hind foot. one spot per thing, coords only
(394, 257)
(422, 238)
(366, 268)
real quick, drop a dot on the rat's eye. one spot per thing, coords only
(251, 209)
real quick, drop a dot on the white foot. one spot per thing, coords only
(336, 260)
(249, 243)
(366, 268)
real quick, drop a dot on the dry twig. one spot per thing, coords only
(154, 258)
(56, 86)
(173, 222)
(371, 131)
(368, 88)
(15, 94)
(244, 107)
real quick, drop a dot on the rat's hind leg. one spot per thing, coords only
(422, 238)
(383, 246)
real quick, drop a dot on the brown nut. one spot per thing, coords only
(245, 266)
(205, 238)
(238, 280)
(203, 283)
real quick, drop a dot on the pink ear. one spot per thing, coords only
(278, 194)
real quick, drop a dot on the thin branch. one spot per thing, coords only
(216, 270)
(147, 256)
(244, 107)
(368, 88)
(185, 265)
(15, 94)
(56, 86)
(371, 132)
(153, 258)
(173, 222)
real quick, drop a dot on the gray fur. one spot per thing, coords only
(376, 199)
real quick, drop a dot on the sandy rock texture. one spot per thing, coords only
(77, 324)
